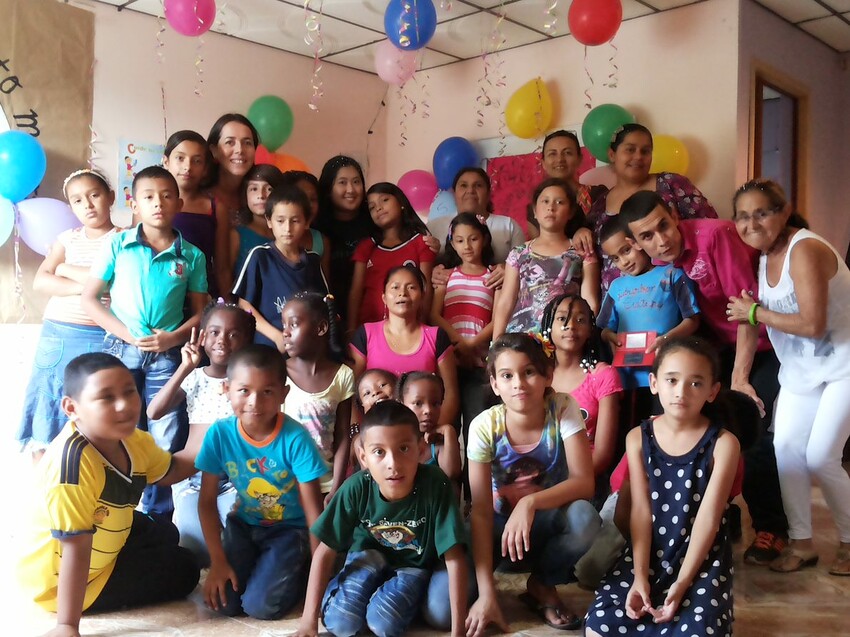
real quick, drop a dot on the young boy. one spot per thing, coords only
(647, 299)
(396, 519)
(149, 272)
(259, 566)
(89, 548)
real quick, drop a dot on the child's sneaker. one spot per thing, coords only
(764, 549)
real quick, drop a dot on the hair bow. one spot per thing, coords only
(545, 343)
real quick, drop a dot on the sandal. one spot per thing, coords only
(841, 565)
(571, 620)
(792, 560)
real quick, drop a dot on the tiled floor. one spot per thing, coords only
(766, 604)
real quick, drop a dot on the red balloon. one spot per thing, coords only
(595, 22)
(263, 155)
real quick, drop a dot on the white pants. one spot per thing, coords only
(810, 431)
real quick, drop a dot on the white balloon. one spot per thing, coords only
(599, 176)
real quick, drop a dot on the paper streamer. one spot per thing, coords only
(160, 20)
(19, 273)
(424, 94)
(313, 38)
(407, 108)
(614, 74)
(199, 70)
(164, 118)
(550, 24)
(446, 5)
(588, 104)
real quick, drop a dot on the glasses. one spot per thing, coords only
(757, 215)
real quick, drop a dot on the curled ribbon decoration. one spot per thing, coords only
(550, 25)
(613, 75)
(92, 141)
(403, 102)
(371, 130)
(313, 38)
(425, 95)
(589, 101)
(19, 273)
(164, 118)
(199, 70)
(160, 20)
(446, 5)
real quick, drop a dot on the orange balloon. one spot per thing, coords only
(283, 162)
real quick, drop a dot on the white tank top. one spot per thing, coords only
(809, 362)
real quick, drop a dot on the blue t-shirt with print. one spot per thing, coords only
(265, 473)
(655, 301)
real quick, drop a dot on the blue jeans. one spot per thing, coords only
(185, 495)
(559, 537)
(271, 565)
(151, 371)
(369, 593)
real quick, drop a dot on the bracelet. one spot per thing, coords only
(752, 315)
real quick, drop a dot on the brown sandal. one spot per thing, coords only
(841, 565)
(792, 560)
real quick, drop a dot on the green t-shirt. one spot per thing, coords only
(413, 532)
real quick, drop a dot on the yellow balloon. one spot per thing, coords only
(529, 110)
(669, 155)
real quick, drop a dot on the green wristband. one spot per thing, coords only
(752, 316)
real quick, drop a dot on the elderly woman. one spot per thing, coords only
(630, 155)
(804, 301)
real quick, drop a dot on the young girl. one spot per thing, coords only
(225, 329)
(313, 240)
(374, 386)
(548, 265)
(320, 386)
(252, 229)
(186, 157)
(402, 343)
(681, 468)
(276, 271)
(67, 330)
(529, 459)
(423, 393)
(399, 240)
(568, 325)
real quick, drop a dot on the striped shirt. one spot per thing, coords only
(468, 305)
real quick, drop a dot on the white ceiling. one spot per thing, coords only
(351, 29)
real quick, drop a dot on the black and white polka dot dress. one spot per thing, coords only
(676, 487)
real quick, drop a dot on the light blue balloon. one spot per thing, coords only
(443, 205)
(22, 165)
(7, 219)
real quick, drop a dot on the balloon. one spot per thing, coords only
(393, 65)
(288, 162)
(272, 118)
(595, 22)
(600, 124)
(451, 155)
(410, 24)
(420, 186)
(7, 219)
(263, 156)
(529, 110)
(22, 165)
(42, 220)
(190, 17)
(444, 206)
(669, 155)
(600, 176)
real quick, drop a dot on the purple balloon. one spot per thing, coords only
(42, 220)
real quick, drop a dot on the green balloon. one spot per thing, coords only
(272, 118)
(599, 126)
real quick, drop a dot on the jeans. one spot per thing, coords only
(185, 495)
(558, 538)
(369, 593)
(271, 565)
(606, 548)
(151, 371)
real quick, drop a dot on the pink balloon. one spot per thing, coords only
(601, 176)
(420, 186)
(42, 220)
(393, 65)
(190, 17)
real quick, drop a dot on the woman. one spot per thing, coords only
(233, 142)
(630, 154)
(401, 343)
(804, 300)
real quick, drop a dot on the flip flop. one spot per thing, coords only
(572, 621)
(841, 565)
(792, 560)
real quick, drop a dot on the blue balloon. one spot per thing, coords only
(410, 29)
(443, 206)
(451, 155)
(7, 219)
(22, 165)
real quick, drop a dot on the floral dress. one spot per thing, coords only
(679, 194)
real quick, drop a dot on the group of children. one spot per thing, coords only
(260, 416)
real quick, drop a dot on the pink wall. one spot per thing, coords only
(128, 100)
(769, 40)
(677, 73)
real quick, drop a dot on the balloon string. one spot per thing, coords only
(550, 25)
(424, 94)
(589, 101)
(93, 139)
(199, 70)
(402, 103)
(446, 5)
(612, 76)
(371, 130)
(19, 273)
(164, 117)
(161, 23)
(313, 37)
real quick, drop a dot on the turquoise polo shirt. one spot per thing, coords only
(147, 291)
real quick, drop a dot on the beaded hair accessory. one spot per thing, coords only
(79, 173)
